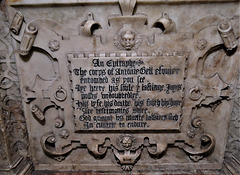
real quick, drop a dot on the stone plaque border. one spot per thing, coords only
(183, 55)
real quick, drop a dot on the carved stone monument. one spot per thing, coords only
(118, 86)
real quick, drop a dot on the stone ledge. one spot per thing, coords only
(47, 2)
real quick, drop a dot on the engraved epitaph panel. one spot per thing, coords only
(127, 92)
(129, 88)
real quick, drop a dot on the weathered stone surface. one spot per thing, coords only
(14, 144)
(36, 2)
(141, 88)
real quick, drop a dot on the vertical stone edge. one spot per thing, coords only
(231, 164)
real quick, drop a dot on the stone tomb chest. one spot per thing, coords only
(126, 86)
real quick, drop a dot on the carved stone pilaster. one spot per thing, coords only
(232, 158)
(14, 156)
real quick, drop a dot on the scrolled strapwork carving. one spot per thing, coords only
(48, 141)
(58, 122)
(206, 145)
(156, 149)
